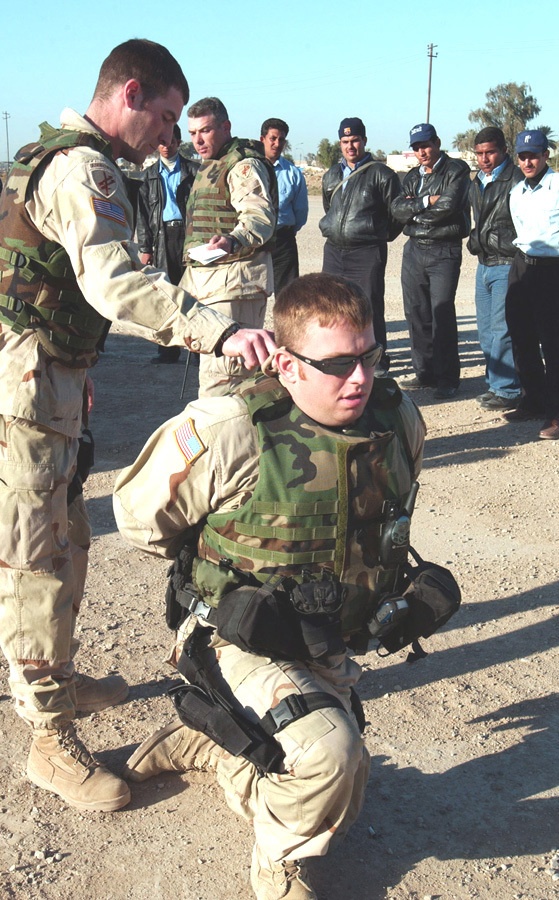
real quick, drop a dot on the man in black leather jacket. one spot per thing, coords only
(357, 194)
(491, 240)
(160, 222)
(434, 209)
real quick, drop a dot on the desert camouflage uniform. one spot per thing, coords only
(208, 460)
(78, 201)
(239, 284)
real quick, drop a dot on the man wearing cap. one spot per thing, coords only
(357, 194)
(491, 240)
(532, 304)
(433, 207)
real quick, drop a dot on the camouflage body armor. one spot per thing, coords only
(209, 210)
(38, 287)
(305, 517)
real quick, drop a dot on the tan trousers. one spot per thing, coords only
(219, 374)
(297, 813)
(43, 563)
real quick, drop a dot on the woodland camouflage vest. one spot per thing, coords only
(318, 502)
(209, 210)
(38, 288)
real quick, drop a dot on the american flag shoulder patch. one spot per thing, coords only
(108, 210)
(189, 443)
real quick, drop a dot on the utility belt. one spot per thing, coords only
(300, 619)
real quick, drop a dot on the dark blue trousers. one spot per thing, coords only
(430, 273)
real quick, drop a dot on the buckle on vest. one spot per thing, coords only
(197, 607)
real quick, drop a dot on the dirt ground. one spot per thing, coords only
(462, 800)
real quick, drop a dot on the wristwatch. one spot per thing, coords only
(218, 349)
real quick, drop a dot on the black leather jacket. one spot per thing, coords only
(446, 220)
(359, 214)
(149, 224)
(491, 238)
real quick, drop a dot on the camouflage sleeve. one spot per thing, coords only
(416, 430)
(250, 196)
(201, 461)
(80, 201)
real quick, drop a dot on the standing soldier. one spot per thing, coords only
(232, 208)
(68, 268)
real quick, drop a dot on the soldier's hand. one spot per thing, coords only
(253, 344)
(146, 259)
(220, 242)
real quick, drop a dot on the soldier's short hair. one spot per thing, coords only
(149, 63)
(491, 135)
(177, 133)
(209, 106)
(278, 124)
(327, 299)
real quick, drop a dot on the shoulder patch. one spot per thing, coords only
(189, 443)
(108, 210)
(104, 179)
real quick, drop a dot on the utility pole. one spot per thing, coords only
(7, 116)
(432, 55)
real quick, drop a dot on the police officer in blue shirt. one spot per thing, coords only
(160, 224)
(293, 203)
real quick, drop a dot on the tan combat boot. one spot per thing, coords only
(59, 762)
(95, 694)
(175, 748)
(273, 880)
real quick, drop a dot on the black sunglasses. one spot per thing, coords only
(342, 365)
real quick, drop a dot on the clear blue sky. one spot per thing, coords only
(311, 64)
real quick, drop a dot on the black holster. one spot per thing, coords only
(203, 705)
(199, 709)
(180, 591)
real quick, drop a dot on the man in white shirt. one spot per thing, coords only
(532, 304)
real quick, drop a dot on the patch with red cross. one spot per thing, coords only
(104, 179)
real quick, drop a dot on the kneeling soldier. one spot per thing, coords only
(281, 493)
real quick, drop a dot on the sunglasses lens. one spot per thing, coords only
(372, 358)
(344, 364)
(340, 366)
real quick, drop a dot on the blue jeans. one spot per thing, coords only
(493, 332)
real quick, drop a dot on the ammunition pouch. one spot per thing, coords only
(285, 620)
(432, 595)
(84, 463)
